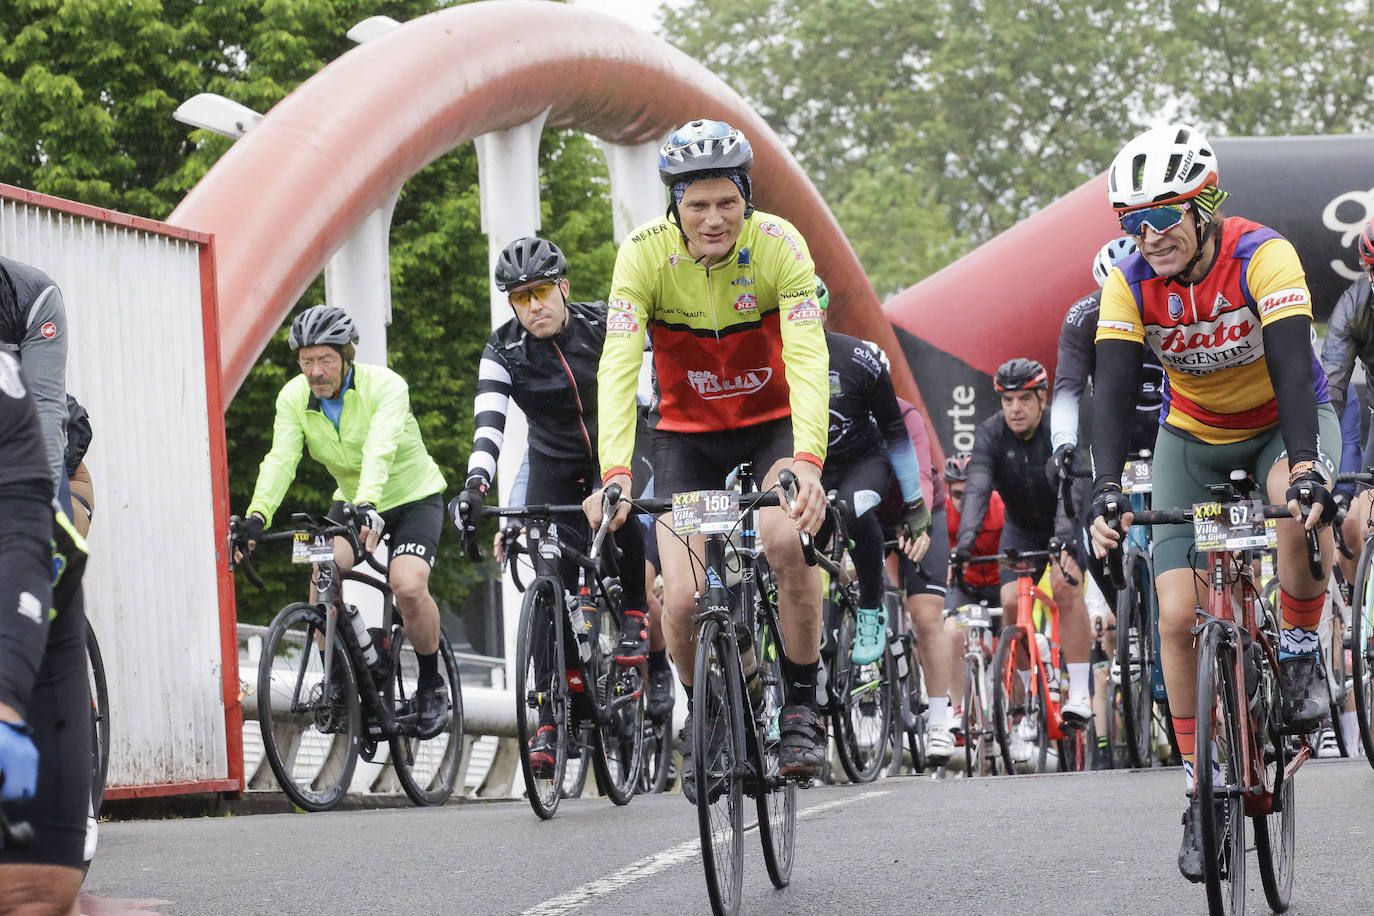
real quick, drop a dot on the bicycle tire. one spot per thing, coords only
(917, 703)
(1338, 679)
(1219, 775)
(863, 708)
(658, 757)
(576, 767)
(1006, 686)
(1362, 648)
(776, 799)
(100, 719)
(294, 715)
(427, 768)
(618, 742)
(1134, 659)
(1275, 830)
(541, 630)
(717, 758)
(972, 723)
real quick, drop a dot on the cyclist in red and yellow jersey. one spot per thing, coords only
(1223, 303)
(728, 296)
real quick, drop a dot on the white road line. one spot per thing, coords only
(649, 866)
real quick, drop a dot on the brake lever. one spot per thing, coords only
(787, 481)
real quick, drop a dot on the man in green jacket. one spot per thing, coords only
(355, 419)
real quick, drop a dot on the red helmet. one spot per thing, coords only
(1366, 243)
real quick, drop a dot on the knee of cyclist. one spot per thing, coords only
(408, 586)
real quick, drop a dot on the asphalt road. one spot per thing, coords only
(1098, 843)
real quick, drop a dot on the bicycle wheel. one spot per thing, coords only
(973, 724)
(718, 759)
(863, 708)
(1019, 714)
(1274, 829)
(1220, 773)
(578, 764)
(658, 757)
(1134, 656)
(1362, 648)
(426, 767)
(776, 798)
(100, 720)
(542, 699)
(618, 742)
(311, 741)
(1334, 650)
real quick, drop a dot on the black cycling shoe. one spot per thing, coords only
(802, 752)
(1102, 758)
(634, 639)
(1305, 700)
(543, 755)
(689, 774)
(1190, 852)
(658, 705)
(431, 710)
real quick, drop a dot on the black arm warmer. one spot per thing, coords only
(977, 497)
(25, 595)
(1115, 384)
(1288, 352)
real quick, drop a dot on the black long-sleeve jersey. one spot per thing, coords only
(1014, 466)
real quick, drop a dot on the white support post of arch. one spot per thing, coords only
(637, 194)
(508, 179)
(357, 278)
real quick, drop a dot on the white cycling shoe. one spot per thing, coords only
(1077, 710)
(939, 744)
(1024, 738)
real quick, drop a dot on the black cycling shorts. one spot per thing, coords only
(684, 462)
(411, 528)
(59, 714)
(928, 577)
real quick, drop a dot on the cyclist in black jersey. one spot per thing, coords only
(868, 443)
(1077, 361)
(44, 697)
(1010, 451)
(546, 358)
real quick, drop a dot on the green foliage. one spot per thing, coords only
(87, 90)
(976, 114)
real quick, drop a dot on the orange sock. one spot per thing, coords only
(1300, 619)
(1185, 733)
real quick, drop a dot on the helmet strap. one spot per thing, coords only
(1203, 233)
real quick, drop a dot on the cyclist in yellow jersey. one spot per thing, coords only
(741, 372)
(355, 419)
(1224, 304)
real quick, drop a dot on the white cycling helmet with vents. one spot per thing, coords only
(1161, 166)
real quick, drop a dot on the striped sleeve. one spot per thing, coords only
(489, 412)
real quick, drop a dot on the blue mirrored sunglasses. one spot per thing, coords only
(1160, 219)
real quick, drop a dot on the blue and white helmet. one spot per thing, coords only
(703, 146)
(1111, 254)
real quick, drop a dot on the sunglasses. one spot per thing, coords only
(522, 297)
(1160, 219)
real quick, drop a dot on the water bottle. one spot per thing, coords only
(580, 626)
(361, 633)
(1044, 645)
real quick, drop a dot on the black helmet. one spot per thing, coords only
(1021, 375)
(326, 325)
(529, 258)
(956, 467)
(703, 146)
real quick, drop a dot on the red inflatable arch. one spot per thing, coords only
(297, 185)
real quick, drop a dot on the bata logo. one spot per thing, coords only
(711, 388)
(49, 330)
(1207, 346)
(1273, 302)
(772, 229)
(622, 323)
(805, 311)
(1175, 306)
(746, 303)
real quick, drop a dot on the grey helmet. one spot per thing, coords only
(326, 325)
(529, 258)
(703, 146)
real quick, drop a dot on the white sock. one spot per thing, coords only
(1078, 678)
(1188, 775)
(1025, 679)
(939, 711)
(1350, 727)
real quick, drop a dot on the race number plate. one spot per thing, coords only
(1136, 477)
(1232, 526)
(705, 512)
(305, 549)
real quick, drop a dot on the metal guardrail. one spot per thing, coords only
(489, 767)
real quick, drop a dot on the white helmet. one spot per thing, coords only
(1161, 166)
(1110, 255)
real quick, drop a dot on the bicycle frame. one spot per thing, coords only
(1027, 593)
